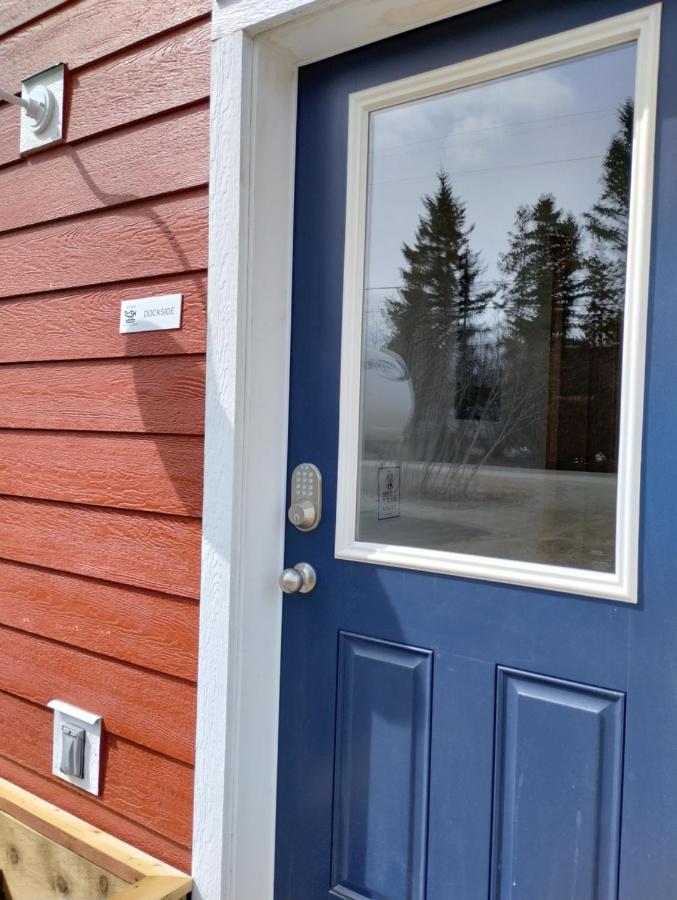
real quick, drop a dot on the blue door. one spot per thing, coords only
(479, 699)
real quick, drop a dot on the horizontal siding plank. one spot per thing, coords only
(93, 811)
(82, 32)
(84, 324)
(143, 81)
(160, 553)
(155, 237)
(18, 12)
(170, 71)
(144, 707)
(153, 474)
(150, 395)
(156, 631)
(106, 171)
(134, 778)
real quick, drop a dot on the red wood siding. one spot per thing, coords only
(167, 468)
(147, 237)
(100, 433)
(83, 323)
(83, 32)
(94, 615)
(140, 549)
(110, 162)
(154, 394)
(142, 81)
(20, 13)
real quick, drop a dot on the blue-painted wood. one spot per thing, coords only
(473, 628)
(559, 754)
(383, 730)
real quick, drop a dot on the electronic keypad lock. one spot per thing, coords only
(305, 511)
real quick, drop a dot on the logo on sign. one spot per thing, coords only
(130, 315)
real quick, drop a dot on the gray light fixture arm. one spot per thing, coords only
(39, 105)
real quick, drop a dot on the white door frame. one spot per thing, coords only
(257, 48)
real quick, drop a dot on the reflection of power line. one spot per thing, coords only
(397, 287)
(401, 148)
(476, 143)
(525, 165)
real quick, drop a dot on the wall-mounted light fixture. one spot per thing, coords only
(41, 103)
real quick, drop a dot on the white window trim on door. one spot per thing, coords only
(642, 26)
(257, 47)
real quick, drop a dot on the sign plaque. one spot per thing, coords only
(151, 313)
(389, 492)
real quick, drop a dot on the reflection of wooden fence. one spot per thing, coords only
(45, 852)
(583, 410)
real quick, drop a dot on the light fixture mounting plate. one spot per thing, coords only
(47, 87)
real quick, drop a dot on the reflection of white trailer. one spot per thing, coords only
(387, 396)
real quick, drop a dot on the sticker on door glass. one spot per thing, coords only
(389, 492)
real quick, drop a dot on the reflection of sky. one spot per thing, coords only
(503, 144)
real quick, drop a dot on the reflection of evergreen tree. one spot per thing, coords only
(562, 314)
(542, 274)
(436, 314)
(607, 225)
(601, 318)
(539, 382)
(540, 297)
(608, 220)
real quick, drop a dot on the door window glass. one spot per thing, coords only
(495, 268)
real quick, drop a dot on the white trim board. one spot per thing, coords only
(310, 30)
(642, 26)
(257, 48)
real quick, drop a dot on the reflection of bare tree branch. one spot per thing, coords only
(474, 442)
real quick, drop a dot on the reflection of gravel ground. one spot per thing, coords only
(561, 518)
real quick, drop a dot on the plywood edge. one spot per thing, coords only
(150, 875)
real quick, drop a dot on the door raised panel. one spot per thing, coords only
(382, 770)
(559, 750)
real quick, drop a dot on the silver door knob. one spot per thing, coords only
(301, 579)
